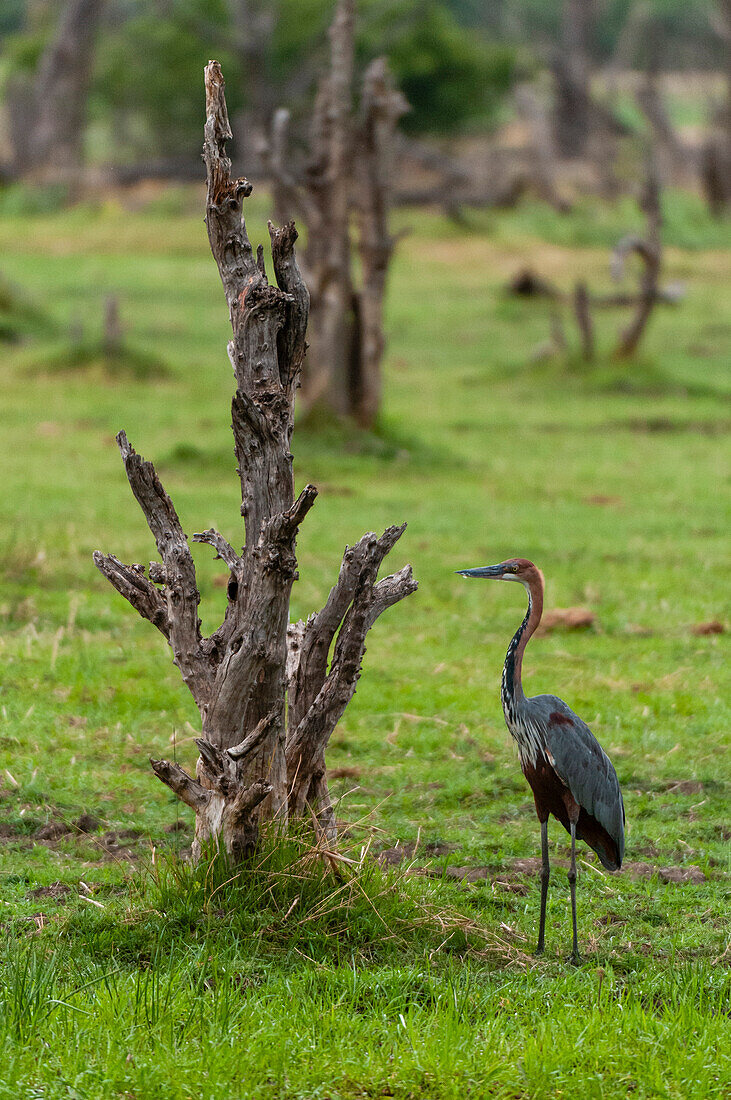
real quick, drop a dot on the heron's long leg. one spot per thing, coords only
(575, 957)
(545, 877)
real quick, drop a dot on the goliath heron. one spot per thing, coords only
(569, 773)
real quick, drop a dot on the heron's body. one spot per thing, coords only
(569, 773)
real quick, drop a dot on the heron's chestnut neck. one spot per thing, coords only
(532, 579)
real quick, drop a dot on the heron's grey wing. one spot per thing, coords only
(582, 764)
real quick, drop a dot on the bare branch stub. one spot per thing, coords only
(584, 323)
(174, 610)
(223, 549)
(177, 779)
(243, 677)
(136, 589)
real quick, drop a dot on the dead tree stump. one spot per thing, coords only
(347, 180)
(269, 693)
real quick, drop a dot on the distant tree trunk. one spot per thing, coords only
(347, 179)
(668, 151)
(330, 369)
(48, 133)
(542, 146)
(649, 250)
(269, 693)
(571, 74)
(381, 108)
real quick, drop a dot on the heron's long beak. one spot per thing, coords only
(495, 571)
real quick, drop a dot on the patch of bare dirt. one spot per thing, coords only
(639, 869)
(602, 500)
(392, 856)
(344, 773)
(532, 865)
(53, 830)
(712, 627)
(468, 874)
(566, 618)
(510, 886)
(681, 874)
(684, 786)
(678, 875)
(55, 890)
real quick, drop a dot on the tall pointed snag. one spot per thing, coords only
(270, 693)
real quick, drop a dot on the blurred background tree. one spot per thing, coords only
(104, 76)
(550, 99)
(148, 55)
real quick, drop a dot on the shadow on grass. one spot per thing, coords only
(322, 438)
(636, 377)
(92, 357)
(20, 318)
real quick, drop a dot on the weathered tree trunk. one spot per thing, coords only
(329, 368)
(543, 150)
(51, 142)
(268, 704)
(571, 74)
(381, 108)
(348, 177)
(672, 159)
(649, 250)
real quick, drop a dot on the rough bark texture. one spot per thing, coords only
(267, 698)
(347, 177)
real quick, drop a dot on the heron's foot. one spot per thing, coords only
(539, 949)
(575, 958)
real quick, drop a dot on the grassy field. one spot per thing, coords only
(126, 973)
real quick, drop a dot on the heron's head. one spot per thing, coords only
(514, 569)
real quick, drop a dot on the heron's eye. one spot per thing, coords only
(514, 568)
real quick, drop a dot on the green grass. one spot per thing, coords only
(147, 977)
